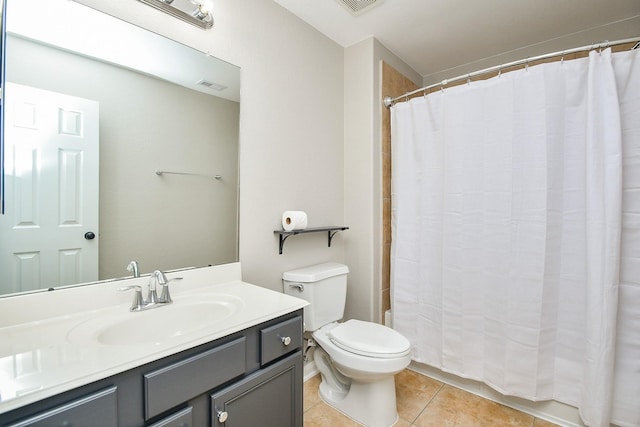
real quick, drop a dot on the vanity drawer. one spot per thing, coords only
(181, 381)
(98, 410)
(281, 339)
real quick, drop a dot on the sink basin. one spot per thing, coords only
(156, 325)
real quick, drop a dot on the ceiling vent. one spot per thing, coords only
(214, 86)
(358, 7)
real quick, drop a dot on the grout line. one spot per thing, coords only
(428, 402)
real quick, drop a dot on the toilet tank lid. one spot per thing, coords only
(314, 273)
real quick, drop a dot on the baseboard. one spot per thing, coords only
(310, 370)
(552, 411)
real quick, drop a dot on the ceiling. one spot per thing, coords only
(436, 37)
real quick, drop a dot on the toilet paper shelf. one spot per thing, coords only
(331, 231)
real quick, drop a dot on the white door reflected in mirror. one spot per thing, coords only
(51, 172)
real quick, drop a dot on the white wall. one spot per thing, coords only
(359, 153)
(363, 173)
(291, 124)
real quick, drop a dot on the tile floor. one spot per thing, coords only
(424, 402)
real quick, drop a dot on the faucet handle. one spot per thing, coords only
(133, 267)
(138, 300)
(152, 295)
(160, 277)
(165, 297)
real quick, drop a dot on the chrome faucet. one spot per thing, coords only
(160, 279)
(133, 266)
(152, 301)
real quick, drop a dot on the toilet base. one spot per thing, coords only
(367, 404)
(372, 404)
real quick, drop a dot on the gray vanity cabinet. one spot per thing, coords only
(246, 379)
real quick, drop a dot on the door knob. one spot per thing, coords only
(89, 235)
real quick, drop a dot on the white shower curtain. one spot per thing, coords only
(516, 232)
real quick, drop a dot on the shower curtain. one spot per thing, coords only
(516, 232)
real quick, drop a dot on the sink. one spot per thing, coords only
(156, 325)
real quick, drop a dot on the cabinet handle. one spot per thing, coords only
(222, 416)
(285, 340)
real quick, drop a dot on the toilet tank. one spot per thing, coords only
(324, 286)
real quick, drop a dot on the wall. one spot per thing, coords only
(363, 174)
(291, 125)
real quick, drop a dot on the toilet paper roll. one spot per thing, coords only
(294, 220)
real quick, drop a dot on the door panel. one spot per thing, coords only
(51, 173)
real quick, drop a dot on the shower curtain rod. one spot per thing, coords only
(389, 101)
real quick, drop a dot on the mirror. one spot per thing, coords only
(94, 107)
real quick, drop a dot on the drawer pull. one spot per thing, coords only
(285, 340)
(222, 416)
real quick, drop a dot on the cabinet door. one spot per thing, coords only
(182, 418)
(270, 397)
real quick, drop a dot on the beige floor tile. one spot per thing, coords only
(542, 423)
(310, 392)
(402, 423)
(323, 415)
(453, 407)
(413, 392)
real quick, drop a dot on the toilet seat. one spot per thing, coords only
(369, 339)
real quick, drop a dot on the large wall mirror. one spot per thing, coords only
(94, 108)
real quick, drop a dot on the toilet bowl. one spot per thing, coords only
(363, 388)
(356, 359)
(359, 354)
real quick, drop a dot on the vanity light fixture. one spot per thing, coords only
(196, 12)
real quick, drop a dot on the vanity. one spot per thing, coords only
(224, 353)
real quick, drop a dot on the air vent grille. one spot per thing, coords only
(211, 85)
(357, 7)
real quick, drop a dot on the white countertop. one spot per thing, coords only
(40, 356)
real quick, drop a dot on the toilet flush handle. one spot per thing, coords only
(298, 286)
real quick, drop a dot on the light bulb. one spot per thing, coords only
(206, 6)
(203, 11)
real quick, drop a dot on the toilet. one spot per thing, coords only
(357, 360)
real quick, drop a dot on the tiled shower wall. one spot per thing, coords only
(393, 84)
